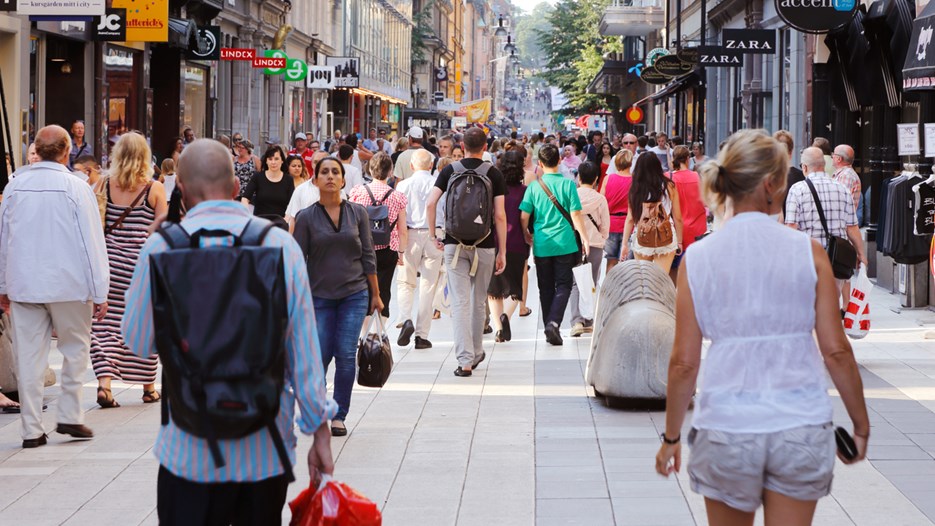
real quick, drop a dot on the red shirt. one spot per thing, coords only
(694, 216)
(306, 156)
(617, 192)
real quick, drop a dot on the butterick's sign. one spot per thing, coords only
(269, 62)
(233, 53)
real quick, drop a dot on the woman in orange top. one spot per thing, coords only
(688, 184)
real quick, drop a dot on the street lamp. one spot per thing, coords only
(509, 44)
(501, 31)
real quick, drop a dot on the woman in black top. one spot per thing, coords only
(335, 237)
(269, 190)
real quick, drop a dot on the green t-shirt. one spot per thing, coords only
(553, 235)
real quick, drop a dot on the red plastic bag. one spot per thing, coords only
(333, 504)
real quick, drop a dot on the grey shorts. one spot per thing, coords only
(735, 468)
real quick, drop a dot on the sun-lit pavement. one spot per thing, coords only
(521, 442)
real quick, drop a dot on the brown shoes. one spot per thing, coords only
(75, 430)
(30, 443)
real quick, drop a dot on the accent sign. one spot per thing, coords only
(750, 41)
(816, 16)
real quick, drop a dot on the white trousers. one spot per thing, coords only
(422, 257)
(32, 340)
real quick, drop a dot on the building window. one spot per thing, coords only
(194, 107)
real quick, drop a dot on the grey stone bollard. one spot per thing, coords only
(634, 328)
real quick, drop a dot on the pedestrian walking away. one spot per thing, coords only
(64, 292)
(761, 431)
(134, 202)
(248, 485)
(390, 233)
(692, 208)
(616, 190)
(553, 201)
(654, 218)
(596, 212)
(474, 207)
(335, 237)
(422, 259)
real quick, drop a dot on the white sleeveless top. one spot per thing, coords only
(753, 286)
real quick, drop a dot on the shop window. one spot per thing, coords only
(194, 107)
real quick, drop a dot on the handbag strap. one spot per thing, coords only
(555, 202)
(821, 212)
(593, 222)
(126, 211)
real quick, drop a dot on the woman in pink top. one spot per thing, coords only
(616, 189)
(688, 184)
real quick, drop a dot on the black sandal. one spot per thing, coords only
(151, 397)
(338, 431)
(105, 398)
(526, 311)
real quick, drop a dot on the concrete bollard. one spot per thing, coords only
(634, 327)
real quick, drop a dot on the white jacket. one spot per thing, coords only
(51, 240)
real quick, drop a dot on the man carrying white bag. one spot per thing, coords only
(857, 313)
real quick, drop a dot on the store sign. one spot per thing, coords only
(296, 70)
(816, 16)
(718, 57)
(148, 22)
(672, 66)
(634, 115)
(281, 58)
(60, 8)
(750, 41)
(235, 53)
(7, 5)
(208, 44)
(269, 62)
(652, 75)
(907, 139)
(655, 54)
(112, 27)
(459, 122)
(320, 77)
(347, 71)
(688, 54)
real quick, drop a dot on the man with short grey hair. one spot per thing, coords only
(629, 142)
(54, 275)
(843, 158)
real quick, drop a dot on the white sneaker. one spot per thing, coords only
(577, 330)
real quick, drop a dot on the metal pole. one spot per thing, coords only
(4, 177)
(703, 87)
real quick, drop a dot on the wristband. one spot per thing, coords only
(671, 442)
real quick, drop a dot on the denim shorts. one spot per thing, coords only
(612, 245)
(735, 468)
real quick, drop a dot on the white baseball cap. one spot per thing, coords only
(415, 132)
(301, 135)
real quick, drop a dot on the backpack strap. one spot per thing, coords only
(176, 236)
(254, 232)
(483, 169)
(373, 200)
(385, 196)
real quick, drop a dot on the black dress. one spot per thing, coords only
(269, 198)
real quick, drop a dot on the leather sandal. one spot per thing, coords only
(105, 398)
(151, 397)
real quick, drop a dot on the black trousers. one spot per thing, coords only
(182, 502)
(387, 259)
(555, 279)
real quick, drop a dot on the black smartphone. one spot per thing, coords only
(846, 446)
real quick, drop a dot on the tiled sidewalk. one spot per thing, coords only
(521, 442)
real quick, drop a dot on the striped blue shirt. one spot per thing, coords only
(253, 457)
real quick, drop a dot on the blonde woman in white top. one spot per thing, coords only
(761, 430)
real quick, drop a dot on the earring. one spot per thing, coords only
(769, 200)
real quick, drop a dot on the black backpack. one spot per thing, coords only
(469, 203)
(221, 342)
(380, 226)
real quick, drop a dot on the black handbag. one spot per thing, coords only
(583, 254)
(374, 355)
(840, 251)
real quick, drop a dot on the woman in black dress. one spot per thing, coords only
(270, 189)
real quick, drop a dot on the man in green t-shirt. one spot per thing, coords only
(553, 245)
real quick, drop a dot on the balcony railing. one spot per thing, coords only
(632, 17)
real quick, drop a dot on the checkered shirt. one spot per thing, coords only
(836, 202)
(849, 178)
(395, 203)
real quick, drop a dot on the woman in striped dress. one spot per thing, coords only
(134, 201)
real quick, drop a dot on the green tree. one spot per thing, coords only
(421, 31)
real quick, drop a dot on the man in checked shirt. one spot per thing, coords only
(251, 487)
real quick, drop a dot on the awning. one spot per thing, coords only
(614, 77)
(678, 85)
(919, 66)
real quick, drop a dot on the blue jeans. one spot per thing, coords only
(339, 324)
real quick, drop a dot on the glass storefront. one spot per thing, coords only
(122, 88)
(194, 104)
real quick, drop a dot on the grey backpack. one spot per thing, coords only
(469, 205)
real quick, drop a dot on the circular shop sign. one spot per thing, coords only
(653, 76)
(634, 115)
(688, 54)
(816, 16)
(655, 54)
(672, 65)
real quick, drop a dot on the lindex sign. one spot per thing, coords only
(816, 16)
(277, 62)
(750, 41)
(672, 66)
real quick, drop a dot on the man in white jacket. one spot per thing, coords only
(53, 275)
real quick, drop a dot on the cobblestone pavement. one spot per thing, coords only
(521, 442)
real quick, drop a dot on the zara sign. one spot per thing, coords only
(750, 41)
(718, 57)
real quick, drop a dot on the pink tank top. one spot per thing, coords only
(617, 190)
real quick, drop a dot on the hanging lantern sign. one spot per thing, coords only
(634, 115)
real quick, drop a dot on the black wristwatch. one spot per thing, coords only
(671, 442)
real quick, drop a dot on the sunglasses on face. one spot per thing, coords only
(629, 142)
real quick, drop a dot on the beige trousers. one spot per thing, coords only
(422, 257)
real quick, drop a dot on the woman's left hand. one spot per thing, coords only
(376, 304)
(666, 453)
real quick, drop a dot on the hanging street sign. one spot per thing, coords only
(816, 16)
(296, 70)
(688, 54)
(653, 76)
(347, 71)
(655, 54)
(672, 66)
(718, 57)
(320, 77)
(235, 53)
(59, 8)
(269, 62)
(750, 41)
(112, 27)
(634, 115)
(207, 47)
(276, 53)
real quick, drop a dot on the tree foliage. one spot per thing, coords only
(573, 49)
(421, 30)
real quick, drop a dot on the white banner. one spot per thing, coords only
(61, 7)
(321, 77)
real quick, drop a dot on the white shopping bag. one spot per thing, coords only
(586, 290)
(857, 314)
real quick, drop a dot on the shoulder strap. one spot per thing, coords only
(373, 200)
(483, 169)
(386, 195)
(254, 232)
(457, 167)
(126, 212)
(176, 236)
(593, 222)
(561, 209)
(821, 212)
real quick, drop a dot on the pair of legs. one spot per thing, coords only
(387, 260)
(663, 261)
(422, 262)
(339, 323)
(555, 281)
(32, 340)
(468, 300)
(778, 509)
(181, 502)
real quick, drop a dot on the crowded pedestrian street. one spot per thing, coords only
(523, 442)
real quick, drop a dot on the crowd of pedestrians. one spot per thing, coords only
(450, 222)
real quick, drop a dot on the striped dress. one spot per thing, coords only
(110, 356)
